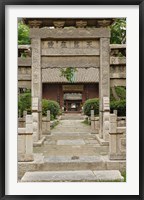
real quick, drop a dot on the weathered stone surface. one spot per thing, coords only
(104, 81)
(108, 175)
(25, 157)
(21, 144)
(117, 60)
(70, 142)
(24, 61)
(58, 176)
(75, 47)
(64, 62)
(69, 33)
(72, 176)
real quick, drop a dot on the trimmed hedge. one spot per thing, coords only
(51, 105)
(91, 104)
(120, 106)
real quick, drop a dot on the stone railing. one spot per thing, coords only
(117, 141)
(45, 122)
(25, 141)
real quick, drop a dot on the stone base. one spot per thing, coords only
(25, 157)
(46, 133)
(121, 156)
(40, 142)
(101, 141)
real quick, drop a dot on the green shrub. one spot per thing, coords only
(91, 104)
(53, 106)
(24, 102)
(120, 91)
(120, 106)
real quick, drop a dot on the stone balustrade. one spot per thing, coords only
(25, 141)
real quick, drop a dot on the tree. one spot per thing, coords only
(69, 73)
(118, 31)
(23, 33)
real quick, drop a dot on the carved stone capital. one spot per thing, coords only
(104, 23)
(81, 24)
(35, 23)
(59, 24)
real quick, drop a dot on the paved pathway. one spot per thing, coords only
(71, 138)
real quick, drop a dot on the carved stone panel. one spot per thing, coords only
(70, 47)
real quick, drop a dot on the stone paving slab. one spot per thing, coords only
(71, 142)
(66, 159)
(69, 176)
(108, 174)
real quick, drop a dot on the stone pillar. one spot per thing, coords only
(48, 121)
(106, 113)
(25, 141)
(92, 122)
(36, 88)
(97, 125)
(104, 80)
(24, 114)
(117, 143)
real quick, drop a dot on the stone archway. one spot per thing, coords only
(79, 46)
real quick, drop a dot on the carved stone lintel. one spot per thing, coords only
(35, 23)
(58, 24)
(81, 24)
(104, 23)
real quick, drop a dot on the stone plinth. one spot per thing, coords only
(117, 142)
(25, 141)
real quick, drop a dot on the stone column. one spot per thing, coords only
(36, 88)
(92, 122)
(106, 113)
(48, 121)
(104, 80)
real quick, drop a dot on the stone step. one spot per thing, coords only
(66, 163)
(72, 117)
(51, 149)
(73, 176)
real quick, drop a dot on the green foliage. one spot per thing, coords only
(118, 31)
(69, 73)
(91, 104)
(23, 33)
(120, 106)
(24, 102)
(53, 106)
(121, 92)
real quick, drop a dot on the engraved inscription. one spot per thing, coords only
(71, 47)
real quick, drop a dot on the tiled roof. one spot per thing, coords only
(82, 75)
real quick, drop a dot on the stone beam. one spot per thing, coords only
(70, 33)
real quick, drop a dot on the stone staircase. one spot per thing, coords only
(71, 153)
